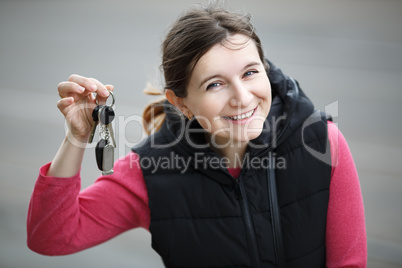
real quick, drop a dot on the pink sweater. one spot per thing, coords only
(62, 219)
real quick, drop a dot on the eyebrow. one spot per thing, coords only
(251, 64)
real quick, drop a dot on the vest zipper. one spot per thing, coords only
(252, 241)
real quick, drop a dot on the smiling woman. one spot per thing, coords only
(234, 97)
(227, 177)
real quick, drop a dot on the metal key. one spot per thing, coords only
(95, 117)
(104, 152)
(106, 116)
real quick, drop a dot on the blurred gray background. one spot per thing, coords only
(345, 51)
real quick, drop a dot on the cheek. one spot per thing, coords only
(206, 106)
(263, 92)
(268, 91)
(268, 100)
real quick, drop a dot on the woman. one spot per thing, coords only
(226, 179)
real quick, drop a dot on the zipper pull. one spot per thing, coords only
(237, 190)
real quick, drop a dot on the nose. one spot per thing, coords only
(241, 95)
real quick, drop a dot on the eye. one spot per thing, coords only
(213, 85)
(248, 73)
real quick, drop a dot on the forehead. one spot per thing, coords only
(234, 43)
(229, 56)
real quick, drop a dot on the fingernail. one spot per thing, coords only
(106, 92)
(82, 89)
(93, 87)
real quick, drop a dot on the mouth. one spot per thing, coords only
(242, 116)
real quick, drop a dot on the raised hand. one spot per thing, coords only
(77, 103)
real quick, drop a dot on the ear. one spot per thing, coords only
(178, 102)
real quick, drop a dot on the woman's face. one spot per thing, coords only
(229, 92)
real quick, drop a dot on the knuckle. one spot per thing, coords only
(72, 77)
(59, 104)
(60, 85)
(94, 81)
(88, 81)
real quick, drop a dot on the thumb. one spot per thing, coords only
(110, 87)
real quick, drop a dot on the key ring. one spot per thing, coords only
(110, 94)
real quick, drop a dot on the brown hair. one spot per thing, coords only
(190, 37)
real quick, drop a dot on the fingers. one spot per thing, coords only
(77, 100)
(102, 91)
(68, 105)
(79, 87)
(110, 87)
(87, 83)
(69, 89)
(64, 105)
(78, 84)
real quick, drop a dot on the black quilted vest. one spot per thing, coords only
(203, 217)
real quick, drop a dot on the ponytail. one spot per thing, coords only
(153, 115)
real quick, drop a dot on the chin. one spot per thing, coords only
(250, 135)
(254, 130)
(253, 136)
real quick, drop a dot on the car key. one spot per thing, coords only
(104, 150)
(104, 153)
(95, 117)
(106, 116)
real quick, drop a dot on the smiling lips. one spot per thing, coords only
(241, 116)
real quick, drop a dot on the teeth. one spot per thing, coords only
(242, 116)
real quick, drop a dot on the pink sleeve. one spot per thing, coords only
(63, 220)
(346, 241)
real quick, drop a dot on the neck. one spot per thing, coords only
(233, 151)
